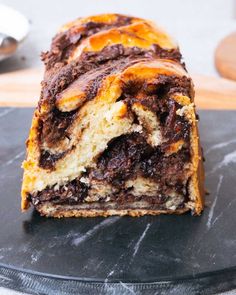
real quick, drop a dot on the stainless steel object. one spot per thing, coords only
(14, 27)
(8, 44)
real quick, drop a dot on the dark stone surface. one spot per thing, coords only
(163, 254)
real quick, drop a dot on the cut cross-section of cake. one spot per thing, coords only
(115, 131)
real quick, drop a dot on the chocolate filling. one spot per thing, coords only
(48, 160)
(124, 200)
(110, 59)
(119, 162)
(126, 157)
(130, 155)
(63, 43)
(73, 192)
(56, 123)
(55, 126)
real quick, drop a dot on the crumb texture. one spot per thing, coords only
(115, 130)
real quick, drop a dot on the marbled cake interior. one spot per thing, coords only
(115, 129)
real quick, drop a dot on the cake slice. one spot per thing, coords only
(115, 131)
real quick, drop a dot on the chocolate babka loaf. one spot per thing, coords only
(115, 131)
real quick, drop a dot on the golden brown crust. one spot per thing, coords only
(199, 179)
(59, 213)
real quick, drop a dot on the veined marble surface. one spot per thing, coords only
(123, 249)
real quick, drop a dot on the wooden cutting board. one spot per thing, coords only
(22, 88)
(225, 57)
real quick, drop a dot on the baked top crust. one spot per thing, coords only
(101, 74)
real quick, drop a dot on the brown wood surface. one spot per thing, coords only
(225, 57)
(22, 89)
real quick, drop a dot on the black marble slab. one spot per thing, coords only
(121, 255)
